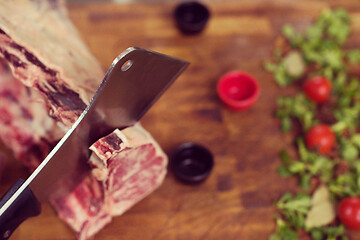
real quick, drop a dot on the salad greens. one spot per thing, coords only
(318, 51)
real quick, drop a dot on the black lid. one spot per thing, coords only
(191, 17)
(191, 163)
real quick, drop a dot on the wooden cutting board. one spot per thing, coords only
(236, 201)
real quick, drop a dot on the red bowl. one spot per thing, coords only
(238, 90)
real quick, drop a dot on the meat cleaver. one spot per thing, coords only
(134, 81)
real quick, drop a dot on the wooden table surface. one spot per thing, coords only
(236, 201)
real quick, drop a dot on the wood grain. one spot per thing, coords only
(236, 202)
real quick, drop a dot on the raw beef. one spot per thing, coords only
(2, 162)
(47, 77)
(126, 166)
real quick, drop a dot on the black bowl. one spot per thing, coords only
(191, 163)
(191, 17)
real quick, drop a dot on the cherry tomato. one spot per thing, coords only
(349, 212)
(320, 138)
(317, 89)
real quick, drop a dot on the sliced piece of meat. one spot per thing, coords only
(127, 165)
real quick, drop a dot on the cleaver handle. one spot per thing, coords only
(24, 206)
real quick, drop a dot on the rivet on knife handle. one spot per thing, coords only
(25, 206)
